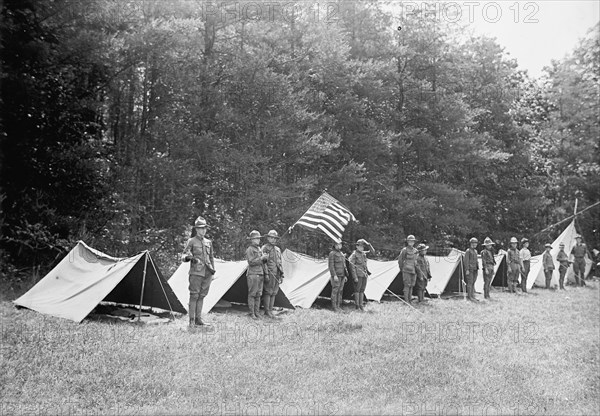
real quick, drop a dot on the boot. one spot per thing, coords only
(548, 283)
(356, 301)
(192, 322)
(407, 294)
(257, 306)
(334, 302)
(524, 286)
(192, 311)
(267, 305)
(361, 299)
(199, 304)
(251, 307)
(561, 284)
(421, 296)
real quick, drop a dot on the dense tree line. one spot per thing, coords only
(123, 121)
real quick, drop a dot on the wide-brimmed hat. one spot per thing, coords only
(362, 242)
(524, 240)
(422, 247)
(200, 223)
(488, 241)
(273, 234)
(473, 240)
(410, 238)
(514, 240)
(548, 245)
(578, 236)
(253, 234)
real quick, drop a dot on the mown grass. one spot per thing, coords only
(527, 354)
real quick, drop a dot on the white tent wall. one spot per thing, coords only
(442, 269)
(536, 273)
(226, 274)
(382, 275)
(305, 278)
(86, 276)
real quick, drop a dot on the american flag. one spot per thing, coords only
(328, 215)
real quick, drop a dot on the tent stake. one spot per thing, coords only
(404, 300)
(143, 285)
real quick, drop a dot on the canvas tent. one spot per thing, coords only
(536, 273)
(500, 270)
(228, 283)
(305, 278)
(86, 277)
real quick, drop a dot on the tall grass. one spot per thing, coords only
(526, 354)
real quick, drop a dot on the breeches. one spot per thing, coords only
(255, 285)
(199, 286)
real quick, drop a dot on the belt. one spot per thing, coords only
(579, 257)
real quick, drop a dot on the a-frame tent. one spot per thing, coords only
(536, 273)
(305, 278)
(86, 277)
(229, 283)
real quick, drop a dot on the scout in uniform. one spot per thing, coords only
(358, 266)
(525, 255)
(513, 259)
(407, 261)
(256, 273)
(274, 269)
(548, 265)
(471, 268)
(199, 251)
(423, 271)
(578, 252)
(339, 273)
(488, 262)
(563, 261)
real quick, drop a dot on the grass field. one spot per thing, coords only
(519, 354)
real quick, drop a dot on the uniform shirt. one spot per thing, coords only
(471, 259)
(358, 261)
(274, 264)
(547, 261)
(525, 254)
(487, 258)
(579, 250)
(563, 259)
(337, 264)
(423, 270)
(407, 259)
(255, 264)
(512, 256)
(200, 249)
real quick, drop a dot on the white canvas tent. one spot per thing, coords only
(86, 277)
(536, 273)
(499, 257)
(382, 275)
(305, 278)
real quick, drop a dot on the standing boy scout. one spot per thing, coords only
(423, 271)
(358, 266)
(407, 261)
(578, 252)
(515, 265)
(487, 262)
(525, 255)
(471, 268)
(548, 265)
(274, 269)
(255, 274)
(199, 251)
(563, 261)
(339, 273)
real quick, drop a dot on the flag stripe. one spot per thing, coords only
(327, 215)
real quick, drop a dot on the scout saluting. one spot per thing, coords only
(358, 267)
(255, 274)
(274, 269)
(339, 273)
(199, 252)
(423, 271)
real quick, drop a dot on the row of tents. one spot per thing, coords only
(86, 277)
